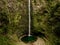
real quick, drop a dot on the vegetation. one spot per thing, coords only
(46, 20)
(14, 20)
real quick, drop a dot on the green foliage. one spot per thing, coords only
(4, 40)
(13, 19)
(47, 21)
(3, 22)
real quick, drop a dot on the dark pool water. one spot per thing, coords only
(28, 39)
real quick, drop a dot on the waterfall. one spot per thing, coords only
(29, 10)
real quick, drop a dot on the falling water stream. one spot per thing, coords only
(29, 10)
(29, 38)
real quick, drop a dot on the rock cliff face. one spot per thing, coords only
(45, 16)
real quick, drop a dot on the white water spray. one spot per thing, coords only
(29, 10)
